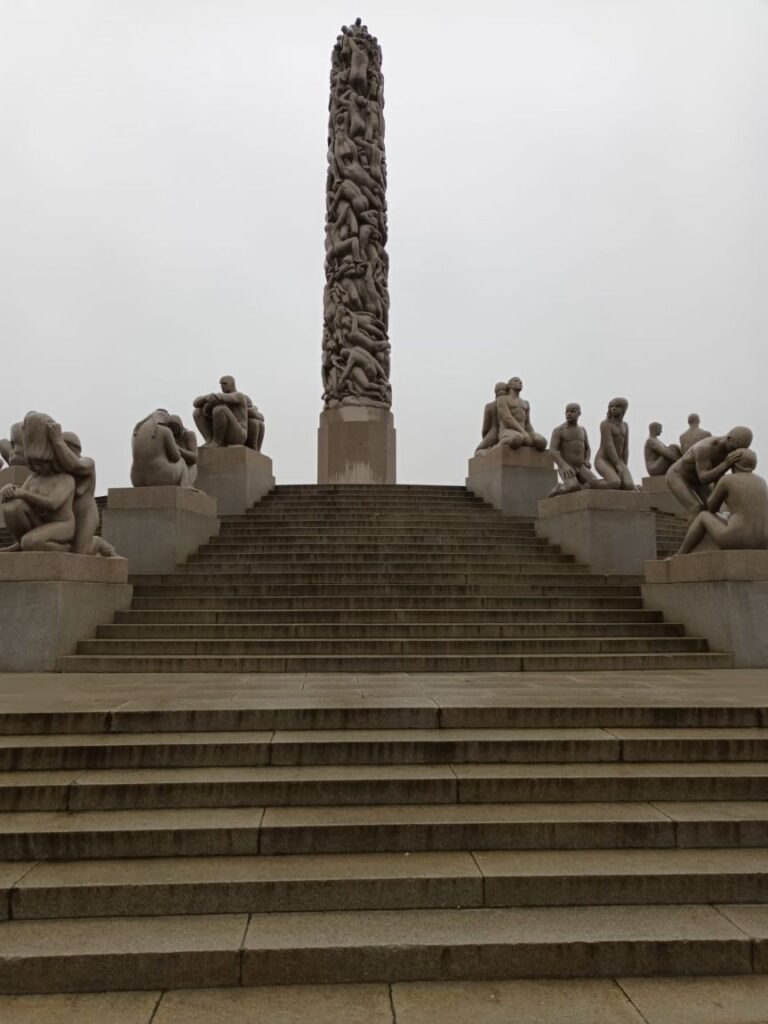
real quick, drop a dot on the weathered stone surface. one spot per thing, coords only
(719, 1000)
(709, 567)
(283, 1004)
(512, 480)
(612, 531)
(157, 528)
(80, 1008)
(660, 496)
(356, 445)
(55, 566)
(236, 476)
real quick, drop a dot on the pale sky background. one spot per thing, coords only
(577, 194)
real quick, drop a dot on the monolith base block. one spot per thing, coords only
(50, 601)
(512, 480)
(12, 475)
(237, 477)
(356, 445)
(612, 532)
(661, 498)
(720, 595)
(157, 528)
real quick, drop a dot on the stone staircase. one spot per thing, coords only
(185, 847)
(384, 579)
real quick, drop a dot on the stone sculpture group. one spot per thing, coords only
(695, 469)
(355, 364)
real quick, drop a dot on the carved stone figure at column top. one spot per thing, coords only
(612, 458)
(746, 495)
(659, 456)
(490, 431)
(693, 434)
(54, 509)
(514, 414)
(570, 446)
(355, 362)
(228, 417)
(12, 450)
(691, 478)
(158, 458)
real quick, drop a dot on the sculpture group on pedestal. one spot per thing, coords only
(746, 496)
(55, 508)
(659, 456)
(570, 446)
(691, 478)
(507, 421)
(164, 452)
(355, 364)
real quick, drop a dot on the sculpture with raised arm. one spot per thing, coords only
(690, 479)
(514, 415)
(570, 446)
(157, 458)
(693, 434)
(228, 417)
(612, 458)
(659, 456)
(746, 495)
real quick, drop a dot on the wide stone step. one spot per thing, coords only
(394, 646)
(379, 630)
(54, 835)
(156, 887)
(407, 617)
(325, 785)
(398, 604)
(371, 575)
(671, 661)
(428, 532)
(349, 746)
(355, 552)
(528, 585)
(239, 561)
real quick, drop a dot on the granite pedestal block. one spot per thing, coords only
(237, 477)
(661, 498)
(11, 475)
(613, 532)
(158, 528)
(356, 444)
(50, 601)
(513, 481)
(720, 595)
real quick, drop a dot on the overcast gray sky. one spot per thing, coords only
(577, 194)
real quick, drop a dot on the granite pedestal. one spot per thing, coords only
(237, 477)
(612, 532)
(157, 528)
(721, 595)
(11, 475)
(660, 496)
(356, 444)
(513, 481)
(50, 601)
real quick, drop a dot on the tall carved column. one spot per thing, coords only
(356, 439)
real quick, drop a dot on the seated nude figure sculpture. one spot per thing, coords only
(40, 512)
(514, 414)
(157, 458)
(223, 418)
(186, 442)
(691, 478)
(490, 432)
(746, 495)
(693, 434)
(612, 458)
(659, 456)
(570, 446)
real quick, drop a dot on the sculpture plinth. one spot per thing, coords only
(157, 528)
(611, 531)
(660, 496)
(236, 476)
(720, 595)
(49, 601)
(513, 480)
(356, 445)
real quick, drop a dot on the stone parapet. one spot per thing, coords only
(356, 444)
(612, 532)
(158, 528)
(236, 476)
(512, 480)
(721, 595)
(49, 601)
